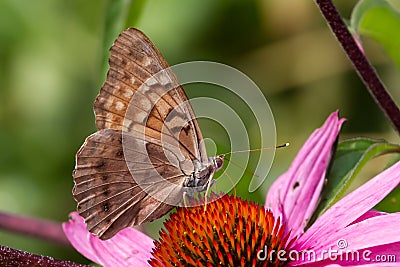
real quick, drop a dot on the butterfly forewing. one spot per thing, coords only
(135, 63)
(132, 170)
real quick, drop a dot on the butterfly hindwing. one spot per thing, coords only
(108, 197)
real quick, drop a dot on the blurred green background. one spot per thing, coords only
(52, 67)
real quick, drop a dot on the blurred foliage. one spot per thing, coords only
(379, 20)
(119, 14)
(52, 66)
(350, 157)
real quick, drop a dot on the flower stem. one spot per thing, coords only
(42, 229)
(13, 257)
(360, 62)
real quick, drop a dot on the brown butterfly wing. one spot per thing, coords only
(133, 60)
(108, 196)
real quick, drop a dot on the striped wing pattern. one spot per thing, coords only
(118, 168)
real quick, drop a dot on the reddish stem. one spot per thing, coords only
(360, 62)
(12, 257)
(42, 229)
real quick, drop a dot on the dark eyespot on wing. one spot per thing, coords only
(106, 207)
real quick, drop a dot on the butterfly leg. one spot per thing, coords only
(185, 200)
(191, 190)
(209, 183)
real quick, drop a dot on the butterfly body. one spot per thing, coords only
(148, 150)
(200, 177)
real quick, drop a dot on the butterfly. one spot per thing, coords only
(148, 151)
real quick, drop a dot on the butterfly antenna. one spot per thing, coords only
(256, 149)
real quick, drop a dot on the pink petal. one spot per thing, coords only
(352, 264)
(127, 248)
(316, 264)
(294, 195)
(376, 231)
(383, 264)
(351, 207)
(369, 214)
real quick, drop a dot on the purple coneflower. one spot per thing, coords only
(234, 232)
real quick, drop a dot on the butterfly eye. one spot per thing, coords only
(219, 161)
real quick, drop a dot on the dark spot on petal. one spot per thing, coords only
(296, 184)
(104, 177)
